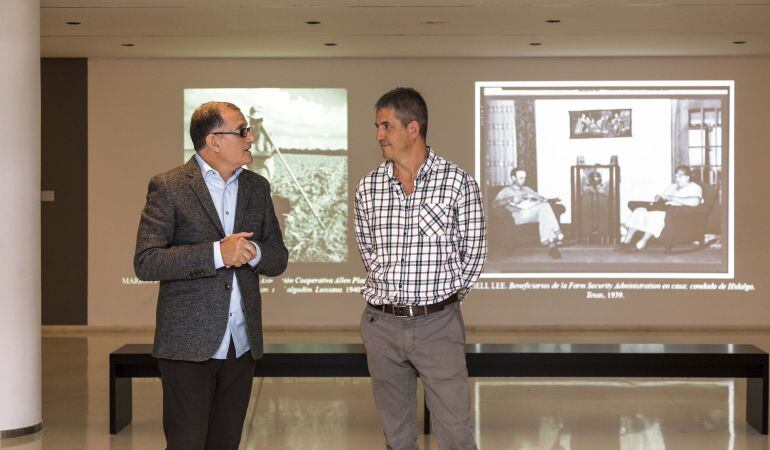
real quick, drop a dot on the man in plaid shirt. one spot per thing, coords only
(422, 236)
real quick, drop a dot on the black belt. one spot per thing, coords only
(416, 310)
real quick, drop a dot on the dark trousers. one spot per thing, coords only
(204, 403)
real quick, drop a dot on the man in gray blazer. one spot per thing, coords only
(207, 231)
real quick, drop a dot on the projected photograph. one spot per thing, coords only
(301, 147)
(607, 179)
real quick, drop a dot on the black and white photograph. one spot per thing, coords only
(604, 123)
(564, 198)
(301, 147)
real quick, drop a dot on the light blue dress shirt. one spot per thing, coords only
(224, 194)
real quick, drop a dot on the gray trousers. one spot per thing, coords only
(397, 350)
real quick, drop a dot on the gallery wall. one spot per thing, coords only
(135, 110)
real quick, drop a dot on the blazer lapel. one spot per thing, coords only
(193, 172)
(242, 202)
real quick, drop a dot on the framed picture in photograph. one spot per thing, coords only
(600, 123)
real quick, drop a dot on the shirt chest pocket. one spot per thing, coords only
(433, 219)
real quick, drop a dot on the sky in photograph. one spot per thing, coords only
(294, 118)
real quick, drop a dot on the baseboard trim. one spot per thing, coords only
(19, 432)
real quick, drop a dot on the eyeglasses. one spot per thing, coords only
(242, 132)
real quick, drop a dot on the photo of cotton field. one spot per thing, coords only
(315, 227)
(301, 148)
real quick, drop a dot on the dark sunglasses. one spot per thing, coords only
(242, 132)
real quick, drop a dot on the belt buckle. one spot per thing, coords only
(409, 311)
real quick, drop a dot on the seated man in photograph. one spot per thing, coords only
(683, 192)
(527, 206)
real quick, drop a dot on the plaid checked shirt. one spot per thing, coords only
(420, 249)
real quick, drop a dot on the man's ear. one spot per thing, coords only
(212, 142)
(414, 129)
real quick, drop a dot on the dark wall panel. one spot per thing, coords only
(64, 171)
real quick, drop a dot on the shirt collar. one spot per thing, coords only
(206, 169)
(424, 169)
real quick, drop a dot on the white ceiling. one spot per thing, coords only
(393, 28)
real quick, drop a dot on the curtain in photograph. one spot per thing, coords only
(526, 137)
(500, 155)
(680, 151)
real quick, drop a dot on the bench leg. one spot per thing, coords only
(756, 403)
(120, 402)
(426, 418)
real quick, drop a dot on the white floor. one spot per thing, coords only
(307, 414)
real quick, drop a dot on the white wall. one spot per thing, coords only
(135, 110)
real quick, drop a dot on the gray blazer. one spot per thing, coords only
(174, 245)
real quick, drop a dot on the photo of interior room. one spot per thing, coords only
(595, 154)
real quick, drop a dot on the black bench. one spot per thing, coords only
(491, 360)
